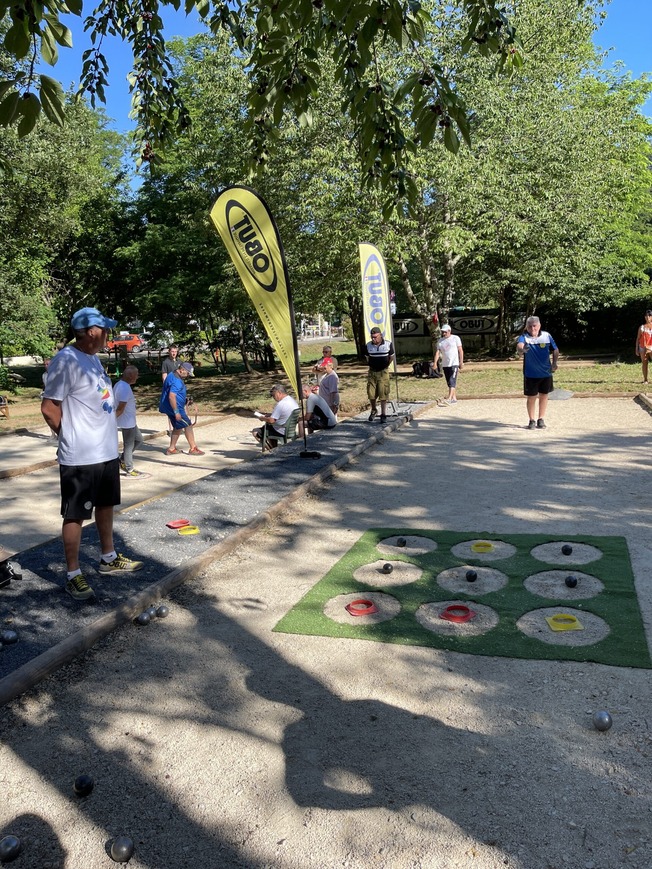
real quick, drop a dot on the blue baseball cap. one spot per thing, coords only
(87, 317)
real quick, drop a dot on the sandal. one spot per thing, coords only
(196, 452)
(172, 452)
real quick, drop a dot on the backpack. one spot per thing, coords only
(425, 369)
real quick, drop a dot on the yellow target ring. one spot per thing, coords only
(482, 546)
(564, 622)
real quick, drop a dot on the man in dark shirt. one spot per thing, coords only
(171, 361)
(379, 356)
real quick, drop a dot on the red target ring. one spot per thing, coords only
(457, 613)
(361, 607)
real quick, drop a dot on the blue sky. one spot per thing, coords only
(627, 31)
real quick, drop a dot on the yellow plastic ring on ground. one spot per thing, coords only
(564, 622)
(188, 529)
(482, 546)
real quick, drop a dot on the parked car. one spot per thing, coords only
(126, 341)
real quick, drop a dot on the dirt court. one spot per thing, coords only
(216, 742)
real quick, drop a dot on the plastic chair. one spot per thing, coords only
(290, 431)
(4, 406)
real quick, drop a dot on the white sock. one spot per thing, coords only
(109, 557)
(73, 573)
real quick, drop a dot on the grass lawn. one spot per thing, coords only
(238, 392)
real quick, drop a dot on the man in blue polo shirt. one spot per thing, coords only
(536, 348)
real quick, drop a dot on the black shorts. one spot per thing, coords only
(451, 375)
(84, 487)
(537, 385)
(318, 421)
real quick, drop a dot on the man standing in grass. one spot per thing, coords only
(536, 348)
(380, 353)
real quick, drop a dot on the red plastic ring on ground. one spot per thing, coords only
(362, 607)
(457, 613)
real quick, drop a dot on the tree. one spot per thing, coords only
(548, 200)
(281, 45)
(55, 199)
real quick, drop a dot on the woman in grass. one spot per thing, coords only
(644, 343)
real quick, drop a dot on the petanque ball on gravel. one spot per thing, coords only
(571, 581)
(8, 637)
(122, 849)
(471, 575)
(163, 612)
(602, 720)
(387, 568)
(401, 541)
(10, 848)
(566, 549)
(143, 618)
(151, 610)
(83, 785)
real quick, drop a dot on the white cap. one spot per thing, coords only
(445, 328)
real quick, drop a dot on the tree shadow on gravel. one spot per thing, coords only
(341, 754)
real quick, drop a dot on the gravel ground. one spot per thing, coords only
(215, 742)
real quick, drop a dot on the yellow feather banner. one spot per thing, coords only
(250, 235)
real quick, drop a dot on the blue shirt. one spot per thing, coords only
(536, 361)
(175, 384)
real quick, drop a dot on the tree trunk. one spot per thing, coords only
(505, 312)
(243, 350)
(428, 309)
(357, 325)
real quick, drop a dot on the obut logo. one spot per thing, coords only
(375, 293)
(252, 247)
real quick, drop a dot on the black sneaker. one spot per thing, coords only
(372, 416)
(540, 423)
(532, 424)
(383, 419)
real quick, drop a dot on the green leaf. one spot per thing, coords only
(52, 100)
(9, 109)
(75, 6)
(5, 87)
(49, 50)
(30, 108)
(17, 40)
(61, 33)
(451, 140)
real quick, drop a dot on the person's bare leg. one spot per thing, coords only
(543, 404)
(174, 437)
(71, 533)
(190, 437)
(104, 522)
(644, 362)
(531, 406)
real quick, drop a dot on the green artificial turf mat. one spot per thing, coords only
(616, 604)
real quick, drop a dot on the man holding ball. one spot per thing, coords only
(536, 348)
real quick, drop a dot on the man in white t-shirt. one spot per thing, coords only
(318, 415)
(78, 405)
(449, 348)
(275, 421)
(125, 411)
